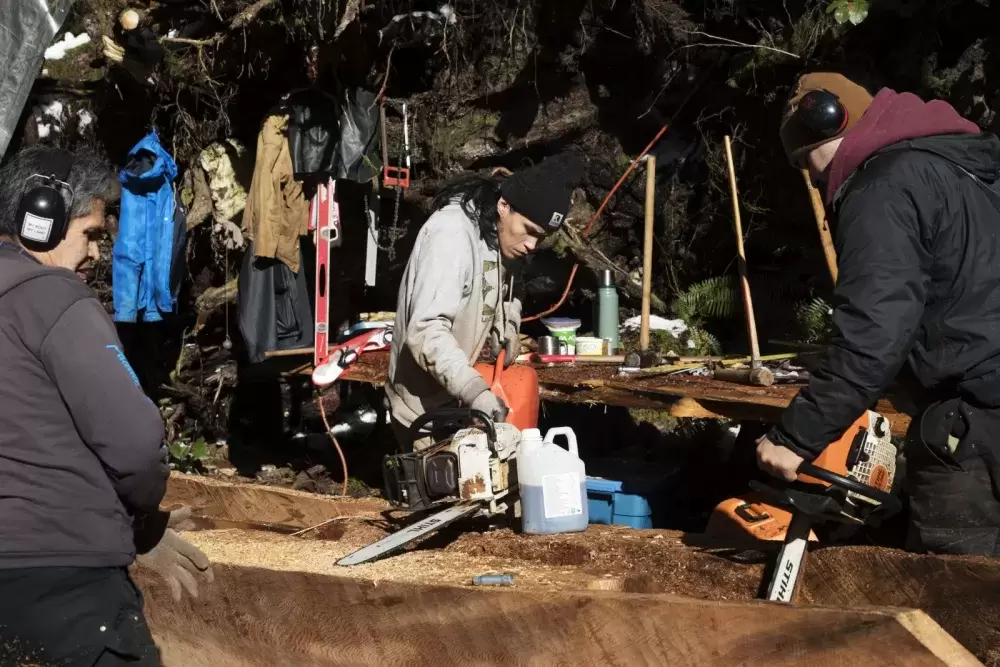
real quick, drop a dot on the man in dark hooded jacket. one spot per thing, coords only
(910, 187)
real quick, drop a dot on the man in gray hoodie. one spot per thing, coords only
(83, 467)
(454, 297)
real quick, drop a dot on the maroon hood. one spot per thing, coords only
(892, 117)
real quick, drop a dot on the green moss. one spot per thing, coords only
(663, 342)
(663, 421)
(357, 489)
(448, 138)
(75, 66)
(187, 197)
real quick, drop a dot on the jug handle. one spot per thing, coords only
(567, 433)
(497, 388)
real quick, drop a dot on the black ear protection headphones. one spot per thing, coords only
(822, 113)
(43, 213)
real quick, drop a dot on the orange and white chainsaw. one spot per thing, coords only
(849, 482)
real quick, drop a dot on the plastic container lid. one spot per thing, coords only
(561, 323)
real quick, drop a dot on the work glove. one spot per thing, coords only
(492, 405)
(511, 345)
(171, 556)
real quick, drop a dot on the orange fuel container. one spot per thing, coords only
(517, 386)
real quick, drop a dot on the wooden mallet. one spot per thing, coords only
(646, 358)
(758, 374)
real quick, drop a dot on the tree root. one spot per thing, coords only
(214, 298)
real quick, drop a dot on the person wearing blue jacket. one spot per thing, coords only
(149, 237)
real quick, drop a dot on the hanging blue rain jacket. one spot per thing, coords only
(144, 249)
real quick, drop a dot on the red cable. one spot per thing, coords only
(586, 230)
(329, 432)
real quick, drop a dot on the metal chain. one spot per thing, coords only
(374, 232)
(393, 232)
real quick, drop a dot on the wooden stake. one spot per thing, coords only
(647, 252)
(744, 282)
(821, 224)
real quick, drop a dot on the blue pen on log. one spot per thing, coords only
(493, 580)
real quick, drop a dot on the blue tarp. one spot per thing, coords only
(148, 234)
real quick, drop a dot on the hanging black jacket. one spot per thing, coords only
(918, 257)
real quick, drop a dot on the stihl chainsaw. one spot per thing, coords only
(864, 453)
(850, 482)
(468, 473)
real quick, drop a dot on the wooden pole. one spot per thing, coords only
(744, 282)
(647, 252)
(821, 224)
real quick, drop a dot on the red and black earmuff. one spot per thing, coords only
(43, 213)
(822, 113)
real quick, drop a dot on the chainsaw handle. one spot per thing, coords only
(889, 503)
(453, 414)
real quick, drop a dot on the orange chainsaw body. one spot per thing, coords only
(517, 386)
(739, 520)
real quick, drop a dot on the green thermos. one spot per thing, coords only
(606, 317)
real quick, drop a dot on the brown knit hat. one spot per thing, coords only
(795, 136)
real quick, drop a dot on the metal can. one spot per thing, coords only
(548, 345)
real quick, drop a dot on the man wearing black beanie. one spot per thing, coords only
(454, 297)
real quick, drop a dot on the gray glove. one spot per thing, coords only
(492, 405)
(177, 560)
(511, 345)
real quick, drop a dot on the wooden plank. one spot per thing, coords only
(697, 398)
(252, 616)
(695, 408)
(259, 504)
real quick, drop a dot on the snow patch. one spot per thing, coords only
(54, 109)
(59, 50)
(657, 323)
(86, 118)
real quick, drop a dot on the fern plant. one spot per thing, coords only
(719, 298)
(713, 298)
(702, 342)
(774, 297)
(815, 320)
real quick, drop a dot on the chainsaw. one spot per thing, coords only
(833, 498)
(850, 483)
(864, 453)
(470, 472)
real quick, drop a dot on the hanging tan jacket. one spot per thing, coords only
(277, 213)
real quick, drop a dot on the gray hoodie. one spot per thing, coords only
(81, 452)
(452, 295)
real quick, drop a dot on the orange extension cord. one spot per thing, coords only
(593, 219)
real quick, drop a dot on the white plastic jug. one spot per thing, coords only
(553, 483)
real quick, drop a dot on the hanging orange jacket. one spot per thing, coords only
(277, 213)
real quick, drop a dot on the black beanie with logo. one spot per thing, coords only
(542, 193)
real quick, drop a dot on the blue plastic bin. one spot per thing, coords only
(609, 504)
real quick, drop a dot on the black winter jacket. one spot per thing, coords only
(918, 256)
